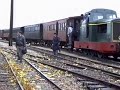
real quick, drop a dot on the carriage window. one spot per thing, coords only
(33, 28)
(28, 28)
(102, 28)
(36, 28)
(65, 26)
(59, 26)
(54, 26)
(49, 28)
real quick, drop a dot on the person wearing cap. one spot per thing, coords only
(20, 45)
(55, 44)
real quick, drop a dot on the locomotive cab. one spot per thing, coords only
(96, 21)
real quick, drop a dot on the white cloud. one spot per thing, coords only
(36, 11)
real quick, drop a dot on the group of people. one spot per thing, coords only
(21, 43)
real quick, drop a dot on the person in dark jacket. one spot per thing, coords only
(55, 44)
(20, 45)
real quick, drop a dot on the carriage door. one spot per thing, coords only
(76, 32)
(57, 28)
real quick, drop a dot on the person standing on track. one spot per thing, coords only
(55, 44)
(20, 45)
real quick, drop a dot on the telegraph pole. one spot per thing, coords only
(11, 24)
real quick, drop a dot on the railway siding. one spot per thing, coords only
(8, 80)
(62, 84)
(49, 60)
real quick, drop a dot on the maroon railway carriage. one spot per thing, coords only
(61, 28)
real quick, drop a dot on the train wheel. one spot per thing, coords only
(115, 57)
(92, 53)
(85, 52)
(100, 55)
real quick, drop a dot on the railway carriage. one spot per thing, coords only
(15, 30)
(33, 33)
(1, 34)
(49, 28)
(62, 29)
(5, 34)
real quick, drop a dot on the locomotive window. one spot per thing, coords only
(111, 16)
(102, 28)
(97, 16)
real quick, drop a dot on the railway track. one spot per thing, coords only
(8, 79)
(39, 72)
(114, 77)
(107, 67)
(77, 71)
(53, 81)
(92, 74)
(85, 81)
(78, 64)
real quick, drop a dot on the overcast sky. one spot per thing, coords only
(28, 12)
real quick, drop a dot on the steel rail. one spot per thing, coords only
(78, 58)
(77, 73)
(19, 84)
(112, 74)
(109, 84)
(74, 62)
(44, 76)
